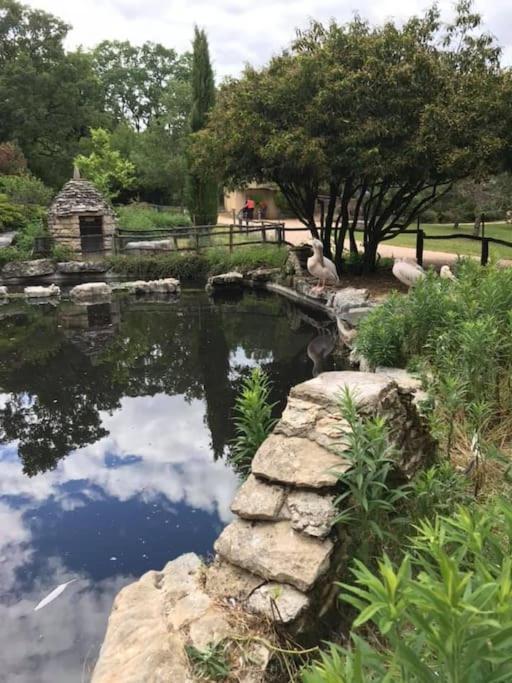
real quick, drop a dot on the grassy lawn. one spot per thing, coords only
(460, 246)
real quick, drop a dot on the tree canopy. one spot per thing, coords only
(380, 120)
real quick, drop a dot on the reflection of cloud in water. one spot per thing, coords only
(239, 360)
(171, 443)
(59, 643)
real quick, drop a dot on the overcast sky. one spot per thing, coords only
(239, 31)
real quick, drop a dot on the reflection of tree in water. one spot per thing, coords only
(59, 383)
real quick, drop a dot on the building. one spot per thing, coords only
(81, 219)
(260, 192)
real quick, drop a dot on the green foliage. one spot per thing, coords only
(11, 216)
(140, 217)
(370, 492)
(253, 420)
(211, 663)
(194, 266)
(25, 238)
(438, 114)
(438, 489)
(9, 254)
(25, 189)
(443, 614)
(104, 166)
(202, 189)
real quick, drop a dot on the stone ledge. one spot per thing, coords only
(278, 602)
(256, 499)
(298, 462)
(274, 551)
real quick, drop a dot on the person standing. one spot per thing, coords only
(250, 204)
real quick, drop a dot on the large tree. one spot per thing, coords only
(381, 120)
(48, 98)
(202, 186)
(136, 79)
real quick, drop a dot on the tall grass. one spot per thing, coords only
(197, 266)
(143, 218)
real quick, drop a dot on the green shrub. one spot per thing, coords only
(9, 254)
(25, 189)
(197, 266)
(370, 496)
(25, 239)
(11, 216)
(253, 420)
(444, 613)
(136, 217)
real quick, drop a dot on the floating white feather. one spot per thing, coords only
(53, 595)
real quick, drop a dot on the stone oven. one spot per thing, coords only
(82, 219)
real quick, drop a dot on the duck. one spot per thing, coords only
(321, 267)
(446, 274)
(408, 273)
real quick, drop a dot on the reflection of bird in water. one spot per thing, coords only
(408, 273)
(318, 350)
(321, 267)
(446, 273)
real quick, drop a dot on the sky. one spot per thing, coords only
(239, 31)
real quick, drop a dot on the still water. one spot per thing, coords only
(115, 422)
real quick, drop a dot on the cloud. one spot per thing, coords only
(239, 31)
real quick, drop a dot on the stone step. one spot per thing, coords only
(367, 388)
(274, 551)
(298, 462)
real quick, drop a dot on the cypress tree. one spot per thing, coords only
(202, 192)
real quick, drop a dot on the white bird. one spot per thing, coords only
(446, 273)
(408, 273)
(321, 267)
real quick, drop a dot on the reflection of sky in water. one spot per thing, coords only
(138, 497)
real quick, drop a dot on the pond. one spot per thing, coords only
(115, 423)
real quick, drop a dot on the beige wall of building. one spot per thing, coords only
(236, 200)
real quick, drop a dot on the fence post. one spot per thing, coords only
(230, 238)
(484, 260)
(420, 235)
(234, 216)
(482, 224)
(197, 237)
(263, 232)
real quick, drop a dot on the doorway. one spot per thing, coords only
(91, 234)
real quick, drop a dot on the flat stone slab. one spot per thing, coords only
(35, 268)
(38, 292)
(348, 297)
(90, 291)
(367, 388)
(74, 267)
(353, 316)
(230, 279)
(275, 551)
(256, 499)
(404, 380)
(279, 602)
(298, 418)
(298, 462)
(226, 580)
(311, 513)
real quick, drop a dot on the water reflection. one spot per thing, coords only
(319, 349)
(114, 421)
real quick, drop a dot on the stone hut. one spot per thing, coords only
(82, 219)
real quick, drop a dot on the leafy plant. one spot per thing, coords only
(369, 495)
(140, 217)
(253, 420)
(105, 166)
(443, 614)
(211, 663)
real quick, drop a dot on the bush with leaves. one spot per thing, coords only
(443, 614)
(253, 420)
(371, 493)
(140, 217)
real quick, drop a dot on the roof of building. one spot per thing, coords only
(79, 196)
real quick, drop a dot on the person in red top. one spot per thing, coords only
(250, 205)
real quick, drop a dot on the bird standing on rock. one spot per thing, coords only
(408, 273)
(321, 267)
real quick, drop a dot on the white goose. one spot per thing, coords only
(408, 273)
(321, 267)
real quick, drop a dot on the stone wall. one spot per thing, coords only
(278, 559)
(65, 230)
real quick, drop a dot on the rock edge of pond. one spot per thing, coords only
(277, 561)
